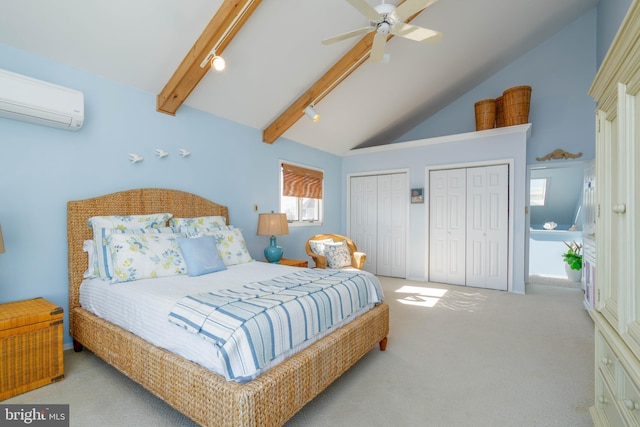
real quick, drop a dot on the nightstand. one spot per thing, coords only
(30, 346)
(294, 262)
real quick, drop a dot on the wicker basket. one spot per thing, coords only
(499, 112)
(485, 114)
(516, 105)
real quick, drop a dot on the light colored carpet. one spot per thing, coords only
(456, 356)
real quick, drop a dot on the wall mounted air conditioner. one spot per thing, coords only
(35, 101)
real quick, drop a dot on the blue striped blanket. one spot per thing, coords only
(253, 324)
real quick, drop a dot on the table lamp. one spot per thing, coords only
(272, 224)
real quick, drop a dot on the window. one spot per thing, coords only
(301, 197)
(538, 191)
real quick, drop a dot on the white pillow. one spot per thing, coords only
(142, 255)
(338, 255)
(92, 270)
(317, 246)
(231, 245)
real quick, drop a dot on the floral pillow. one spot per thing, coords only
(102, 238)
(201, 222)
(143, 255)
(317, 246)
(338, 255)
(129, 221)
(231, 245)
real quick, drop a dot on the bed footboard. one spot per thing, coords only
(209, 399)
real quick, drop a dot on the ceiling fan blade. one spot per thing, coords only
(413, 32)
(377, 49)
(409, 7)
(366, 9)
(348, 34)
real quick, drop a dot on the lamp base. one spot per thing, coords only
(273, 252)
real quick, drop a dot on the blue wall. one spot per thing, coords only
(560, 71)
(610, 16)
(42, 168)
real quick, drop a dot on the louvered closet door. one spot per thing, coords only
(447, 226)
(487, 233)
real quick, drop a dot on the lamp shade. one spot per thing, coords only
(1, 242)
(272, 224)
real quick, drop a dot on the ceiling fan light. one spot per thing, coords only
(218, 63)
(312, 113)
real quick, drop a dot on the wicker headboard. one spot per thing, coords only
(131, 202)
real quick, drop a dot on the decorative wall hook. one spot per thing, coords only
(184, 153)
(135, 158)
(161, 153)
(558, 154)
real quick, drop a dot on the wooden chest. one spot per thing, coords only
(30, 346)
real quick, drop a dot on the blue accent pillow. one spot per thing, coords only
(201, 255)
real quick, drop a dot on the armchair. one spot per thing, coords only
(357, 258)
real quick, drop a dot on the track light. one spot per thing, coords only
(217, 62)
(312, 113)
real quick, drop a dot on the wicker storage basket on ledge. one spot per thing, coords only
(499, 112)
(485, 114)
(516, 105)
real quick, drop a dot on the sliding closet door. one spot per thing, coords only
(447, 213)
(487, 233)
(364, 217)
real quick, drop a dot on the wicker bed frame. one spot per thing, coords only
(205, 397)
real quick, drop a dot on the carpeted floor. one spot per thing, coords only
(456, 356)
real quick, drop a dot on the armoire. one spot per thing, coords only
(616, 315)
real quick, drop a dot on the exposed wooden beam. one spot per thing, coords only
(329, 81)
(222, 28)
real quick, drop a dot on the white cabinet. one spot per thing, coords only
(616, 89)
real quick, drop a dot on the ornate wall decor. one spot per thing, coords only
(558, 154)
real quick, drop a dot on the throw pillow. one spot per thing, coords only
(338, 255)
(201, 255)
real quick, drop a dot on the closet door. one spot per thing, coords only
(447, 234)
(364, 217)
(487, 232)
(392, 213)
(377, 223)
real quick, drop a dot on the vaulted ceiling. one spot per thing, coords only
(276, 63)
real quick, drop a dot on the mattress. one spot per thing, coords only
(142, 307)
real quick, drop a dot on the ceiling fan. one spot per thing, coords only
(388, 19)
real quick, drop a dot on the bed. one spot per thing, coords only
(205, 397)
